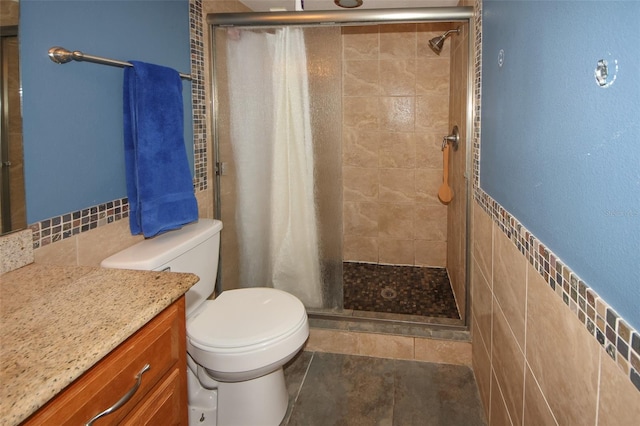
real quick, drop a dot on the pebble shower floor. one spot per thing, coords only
(409, 290)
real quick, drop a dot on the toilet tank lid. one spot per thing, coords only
(155, 252)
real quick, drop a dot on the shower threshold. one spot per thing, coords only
(394, 324)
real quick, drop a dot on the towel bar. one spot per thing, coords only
(60, 55)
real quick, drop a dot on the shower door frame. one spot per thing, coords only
(360, 17)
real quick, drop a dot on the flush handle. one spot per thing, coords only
(453, 139)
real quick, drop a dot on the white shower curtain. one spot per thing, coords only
(273, 154)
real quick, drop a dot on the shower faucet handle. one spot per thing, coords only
(445, 140)
(453, 138)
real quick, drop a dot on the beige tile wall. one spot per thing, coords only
(535, 363)
(395, 113)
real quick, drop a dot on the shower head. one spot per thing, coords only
(436, 43)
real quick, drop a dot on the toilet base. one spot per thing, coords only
(200, 416)
(203, 403)
(257, 402)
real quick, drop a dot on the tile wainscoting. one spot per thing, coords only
(546, 348)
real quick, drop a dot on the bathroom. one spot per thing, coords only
(540, 377)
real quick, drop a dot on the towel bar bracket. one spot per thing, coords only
(60, 55)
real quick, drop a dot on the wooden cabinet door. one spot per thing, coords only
(161, 344)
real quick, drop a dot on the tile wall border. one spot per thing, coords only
(58, 228)
(198, 69)
(67, 225)
(620, 341)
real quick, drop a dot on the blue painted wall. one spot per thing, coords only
(72, 113)
(559, 152)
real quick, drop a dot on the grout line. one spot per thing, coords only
(291, 408)
(535, 380)
(414, 348)
(512, 335)
(482, 341)
(598, 390)
(524, 349)
(504, 403)
(304, 378)
(393, 393)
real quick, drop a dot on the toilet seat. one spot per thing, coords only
(246, 330)
(244, 318)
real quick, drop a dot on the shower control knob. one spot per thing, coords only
(453, 138)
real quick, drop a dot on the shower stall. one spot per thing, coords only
(329, 134)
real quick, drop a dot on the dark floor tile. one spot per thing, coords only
(429, 394)
(354, 390)
(409, 290)
(345, 390)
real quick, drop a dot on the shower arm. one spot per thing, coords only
(446, 34)
(443, 37)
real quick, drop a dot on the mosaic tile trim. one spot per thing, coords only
(60, 227)
(614, 334)
(198, 95)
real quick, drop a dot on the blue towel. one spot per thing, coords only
(159, 182)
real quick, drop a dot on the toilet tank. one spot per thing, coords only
(193, 248)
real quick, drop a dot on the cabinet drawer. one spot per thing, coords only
(164, 405)
(157, 344)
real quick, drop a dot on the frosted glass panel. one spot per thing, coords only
(325, 84)
(324, 75)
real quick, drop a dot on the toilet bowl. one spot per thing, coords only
(237, 343)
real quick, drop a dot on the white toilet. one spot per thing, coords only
(237, 343)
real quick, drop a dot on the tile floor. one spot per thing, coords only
(408, 290)
(331, 389)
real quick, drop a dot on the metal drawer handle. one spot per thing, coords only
(126, 397)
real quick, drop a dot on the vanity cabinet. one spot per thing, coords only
(159, 396)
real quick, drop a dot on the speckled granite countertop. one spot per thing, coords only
(58, 321)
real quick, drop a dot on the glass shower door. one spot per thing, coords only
(245, 153)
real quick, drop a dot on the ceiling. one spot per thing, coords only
(280, 5)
